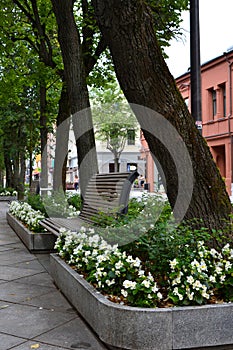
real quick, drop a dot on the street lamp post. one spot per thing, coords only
(195, 64)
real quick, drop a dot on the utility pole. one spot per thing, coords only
(195, 64)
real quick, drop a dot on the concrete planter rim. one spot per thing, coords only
(34, 241)
(183, 327)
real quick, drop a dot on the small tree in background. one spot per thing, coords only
(113, 119)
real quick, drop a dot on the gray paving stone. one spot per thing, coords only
(51, 301)
(41, 279)
(73, 335)
(29, 322)
(6, 240)
(44, 259)
(7, 341)
(4, 304)
(5, 248)
(10, 273)
(28, 346)
(16, 257)
(19, 292)
(6, 233)
(14, 245)
(32, 264)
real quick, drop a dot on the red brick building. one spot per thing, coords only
(217, 119)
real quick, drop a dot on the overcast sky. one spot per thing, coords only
(216, 35)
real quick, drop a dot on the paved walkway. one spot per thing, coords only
(33, 313)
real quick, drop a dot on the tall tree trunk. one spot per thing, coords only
(9, 172)
(128, 29)
(21, 175)
(30, 168)
(62, 138)
(75, 78)
(116, 164)
(43, 137)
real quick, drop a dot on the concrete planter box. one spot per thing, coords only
(125, 327)
(35, 242)
(7, 198)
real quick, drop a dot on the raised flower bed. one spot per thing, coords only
(23, 219)
(7, 196)
(134, 328)
(162, 323)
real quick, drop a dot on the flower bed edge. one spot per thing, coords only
(135, 328)
(35, 242)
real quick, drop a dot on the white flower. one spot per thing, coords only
(129, 284)
(226, 248)
(109, 283)
(197, 285)
(141, 273)
(146, 283)
(205, 294)
(218, 270)
(137, 262)
(150, 277)
(212, 279)
(213, 252)
(202, 266)
(124, 293)
(190, 295)
(129, 259)
(190, 279)
(228, 265)
(159, 295)
(195, 263)
(222, 278)
(119, 265)
(173, 263)
(155, 288)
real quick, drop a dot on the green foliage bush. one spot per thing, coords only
(75, 201)
(55, 203)
(36, 202)
(7, 191)
(166, 265)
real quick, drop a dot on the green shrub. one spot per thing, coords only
(36, 202)
(76, 201)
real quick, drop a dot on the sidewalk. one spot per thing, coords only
(33, 313)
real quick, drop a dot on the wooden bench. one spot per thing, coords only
(105, 193)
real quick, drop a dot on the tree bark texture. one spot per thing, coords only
(43, 136)
(75, 78)
(128, 29)
(62, 139)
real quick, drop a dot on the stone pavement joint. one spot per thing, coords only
(33, 313)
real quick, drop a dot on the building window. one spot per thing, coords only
(222, 100)
(214, 102)
(211, 103)
(131, 137)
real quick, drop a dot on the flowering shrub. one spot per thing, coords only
(30, 217)
(207, 276)
(141, 217)
(109, 269)
(198, 277)
(160, 266)
(8, 192)
(58, 205)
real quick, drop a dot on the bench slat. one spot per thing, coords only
(104, 193)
